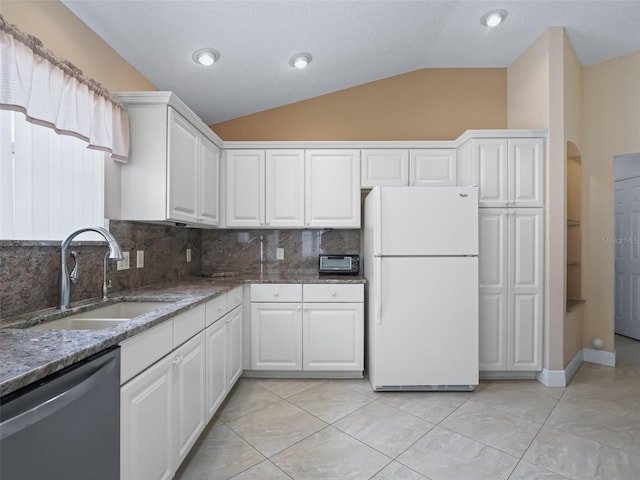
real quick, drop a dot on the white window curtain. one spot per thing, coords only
(54, 93)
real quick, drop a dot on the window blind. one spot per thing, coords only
(50, 185)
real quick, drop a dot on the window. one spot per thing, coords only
(50, 184)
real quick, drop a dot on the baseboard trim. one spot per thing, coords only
(561, 378)
(552, 378)
(600, 357)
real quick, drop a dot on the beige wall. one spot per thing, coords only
(611, 92)
(429, 104)
(535, 99)
(69, 38)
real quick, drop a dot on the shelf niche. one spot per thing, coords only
(574, 228)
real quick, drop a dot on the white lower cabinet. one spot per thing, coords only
(276, 336)
(511, 289)
(188, 395)
(307, 327)
(333, 336)
(146, 424)
(224, 358)
(173, 389)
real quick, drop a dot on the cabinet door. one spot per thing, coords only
(245, 181)
(234, 346)
(490, 168)
(332, 188)
(276, 336)
(432, 167)
(209, 181)
(189, 393)
(333, 336)
(182, 164)
(216, 355)
(526, 172)
(284, 188)
(146, 424)
(526, 273)
(384, 167)
(494, 288)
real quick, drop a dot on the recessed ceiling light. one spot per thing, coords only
(300, 60)
(206, 56)
(493, 18)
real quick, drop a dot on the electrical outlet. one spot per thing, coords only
(124, 264)
(279, 253)
(188, 254)
(140, 259)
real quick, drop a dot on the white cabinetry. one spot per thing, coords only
(223, 348)
(265, 188)
(188, 396)
(508, 172)
(325, 332)
(432, 167)
(417, 167)
(333, 327)
(511, 293)
(332, 188)
(173, 169)
(276, 327)
(384, 167)
(174, 376)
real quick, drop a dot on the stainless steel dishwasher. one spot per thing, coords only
(66, 427)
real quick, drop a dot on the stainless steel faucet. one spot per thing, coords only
(115, 253)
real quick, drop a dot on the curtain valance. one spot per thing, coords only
(54, 93)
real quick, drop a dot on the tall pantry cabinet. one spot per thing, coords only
(509, 173)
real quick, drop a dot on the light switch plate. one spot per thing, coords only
(188, 254)
(140, 259)
(279, 253)
(125, 263)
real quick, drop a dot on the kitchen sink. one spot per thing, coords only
(78, 324)
(102, 317)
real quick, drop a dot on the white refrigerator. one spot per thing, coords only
(421, 267)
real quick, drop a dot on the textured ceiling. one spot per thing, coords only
(352, 42)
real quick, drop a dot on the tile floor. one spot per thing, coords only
(341, 429)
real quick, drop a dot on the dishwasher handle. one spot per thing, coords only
(56, 402)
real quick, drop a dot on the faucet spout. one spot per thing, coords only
(115, 253)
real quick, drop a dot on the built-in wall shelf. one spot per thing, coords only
(573, 262)
(572, 222)
(573, 303)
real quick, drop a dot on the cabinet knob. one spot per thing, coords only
(220, 309)
(276, 294)
(333, 294)
(178, 360)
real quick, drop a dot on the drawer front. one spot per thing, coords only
(188, 324)
(234, 298)
(316, 292)
(276, 292)
(144, 349)
(216, 308)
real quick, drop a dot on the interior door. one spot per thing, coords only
(627, 263)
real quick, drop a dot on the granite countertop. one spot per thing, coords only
(27, 356)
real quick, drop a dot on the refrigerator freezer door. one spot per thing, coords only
(427, 221)
(427, 332)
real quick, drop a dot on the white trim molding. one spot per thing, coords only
(561, 378)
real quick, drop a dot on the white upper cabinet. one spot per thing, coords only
(265, 188)
(173, 169)
(245, 182)
(284, 205)
(332, 188)
(384, 167)
(426, 167)
(508, 172)
(432, 167)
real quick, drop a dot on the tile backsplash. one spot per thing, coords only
(29, 271)
(237, 250)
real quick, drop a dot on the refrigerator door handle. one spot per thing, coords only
(377, 272)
